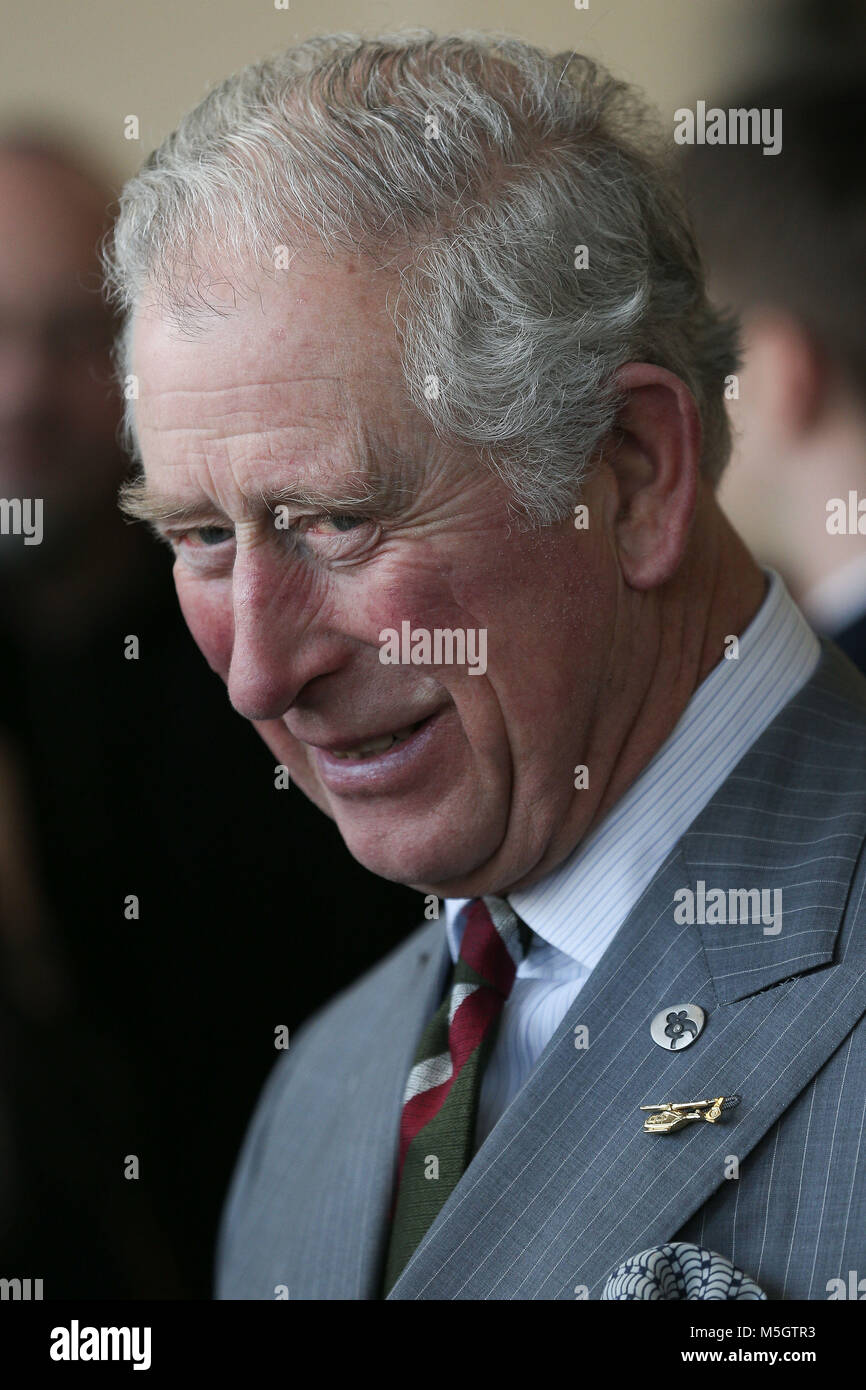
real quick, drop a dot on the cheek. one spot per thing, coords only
(426, 588)
(207, 609)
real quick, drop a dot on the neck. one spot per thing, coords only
(714, 594)
(672, 637)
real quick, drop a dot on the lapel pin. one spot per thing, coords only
(673, 1116)
(675, 1028)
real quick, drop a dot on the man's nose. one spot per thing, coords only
(281, 642)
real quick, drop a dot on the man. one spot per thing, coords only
(431, 412)
(796, 278)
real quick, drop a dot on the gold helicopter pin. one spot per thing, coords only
(676, 1115)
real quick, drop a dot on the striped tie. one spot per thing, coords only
(440, 1104)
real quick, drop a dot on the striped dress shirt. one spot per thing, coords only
(575, 911)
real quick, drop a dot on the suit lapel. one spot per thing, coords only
(568, 1185)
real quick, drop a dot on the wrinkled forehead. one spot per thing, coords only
(306, 367)
(315, 310)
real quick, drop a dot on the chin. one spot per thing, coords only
(417, 860)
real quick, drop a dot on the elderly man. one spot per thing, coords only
(425, 368)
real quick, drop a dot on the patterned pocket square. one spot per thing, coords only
(679, 1271)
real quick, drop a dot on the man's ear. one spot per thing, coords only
(655, 461)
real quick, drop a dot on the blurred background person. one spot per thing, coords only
(784, 237)
(131, 1024)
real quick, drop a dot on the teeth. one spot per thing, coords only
(377, 745)
(366, 750)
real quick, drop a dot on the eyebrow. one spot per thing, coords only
(382, 495)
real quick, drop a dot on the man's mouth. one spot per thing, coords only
(392, 763)
(372, 747)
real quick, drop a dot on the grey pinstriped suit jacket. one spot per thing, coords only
(567, 1185)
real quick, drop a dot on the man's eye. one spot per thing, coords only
(340, 522)
(207, 535)
(339, 538)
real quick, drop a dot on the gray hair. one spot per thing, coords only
(476, 165)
